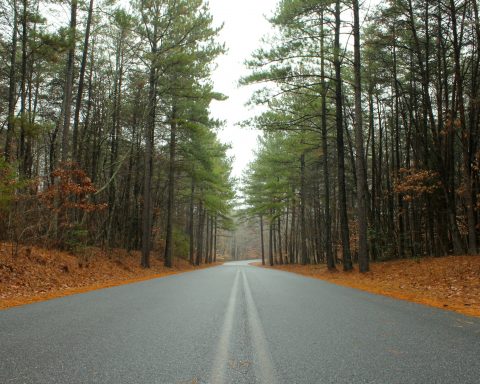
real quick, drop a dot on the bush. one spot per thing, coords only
(75, 239)
(181, 244)
(8, 184)
(69, 201)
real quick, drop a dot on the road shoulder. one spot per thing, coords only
(450, 283)
(36, 274)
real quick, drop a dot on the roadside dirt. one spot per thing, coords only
(37, 274)
(451, 283)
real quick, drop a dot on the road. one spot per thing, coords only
(236, 324)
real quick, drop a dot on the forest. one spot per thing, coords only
(106, 134)
(225, 191)
(370, 130)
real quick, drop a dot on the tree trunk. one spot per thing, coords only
(171, 190)
(67, 103)
(261, 240)
(362, 190)
(23, 91)
(279, 236)
(400, 207)
(345, 233)
(215, 241)
(291, 249)
(207, 239)
(201, 224)
(326, 171)
(270, 241)
(81, 81)
(149, 143)
(210, 247)
(12, 90)
(303, 232)
(191, 221)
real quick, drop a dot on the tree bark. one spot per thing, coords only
(191, 221)
(279, 236)
(342, 195)
(359, 147)
(215, 241)
(67, 103)
(81, 82)
(149, 143)
(261, 240)
(201, 224)
(12, 89)
(171, 190)
(303, 232)
(23, 91)
(270, 241)
(326, 171)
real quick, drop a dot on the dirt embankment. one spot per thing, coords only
(451, 282)
(37, 274)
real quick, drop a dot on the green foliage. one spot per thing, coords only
(111, 115)
(31, 128)
(273, 178)
(208, 166)
(181, 243)
(75, 239)
(9, 183)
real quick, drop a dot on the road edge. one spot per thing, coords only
(391, 294)
(22, 301)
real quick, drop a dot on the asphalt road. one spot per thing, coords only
(236, 324)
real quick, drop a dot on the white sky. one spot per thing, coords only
(244, 26)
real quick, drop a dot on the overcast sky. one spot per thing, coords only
(244, 26)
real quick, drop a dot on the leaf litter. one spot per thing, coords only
(451, 282)
(38, 274)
